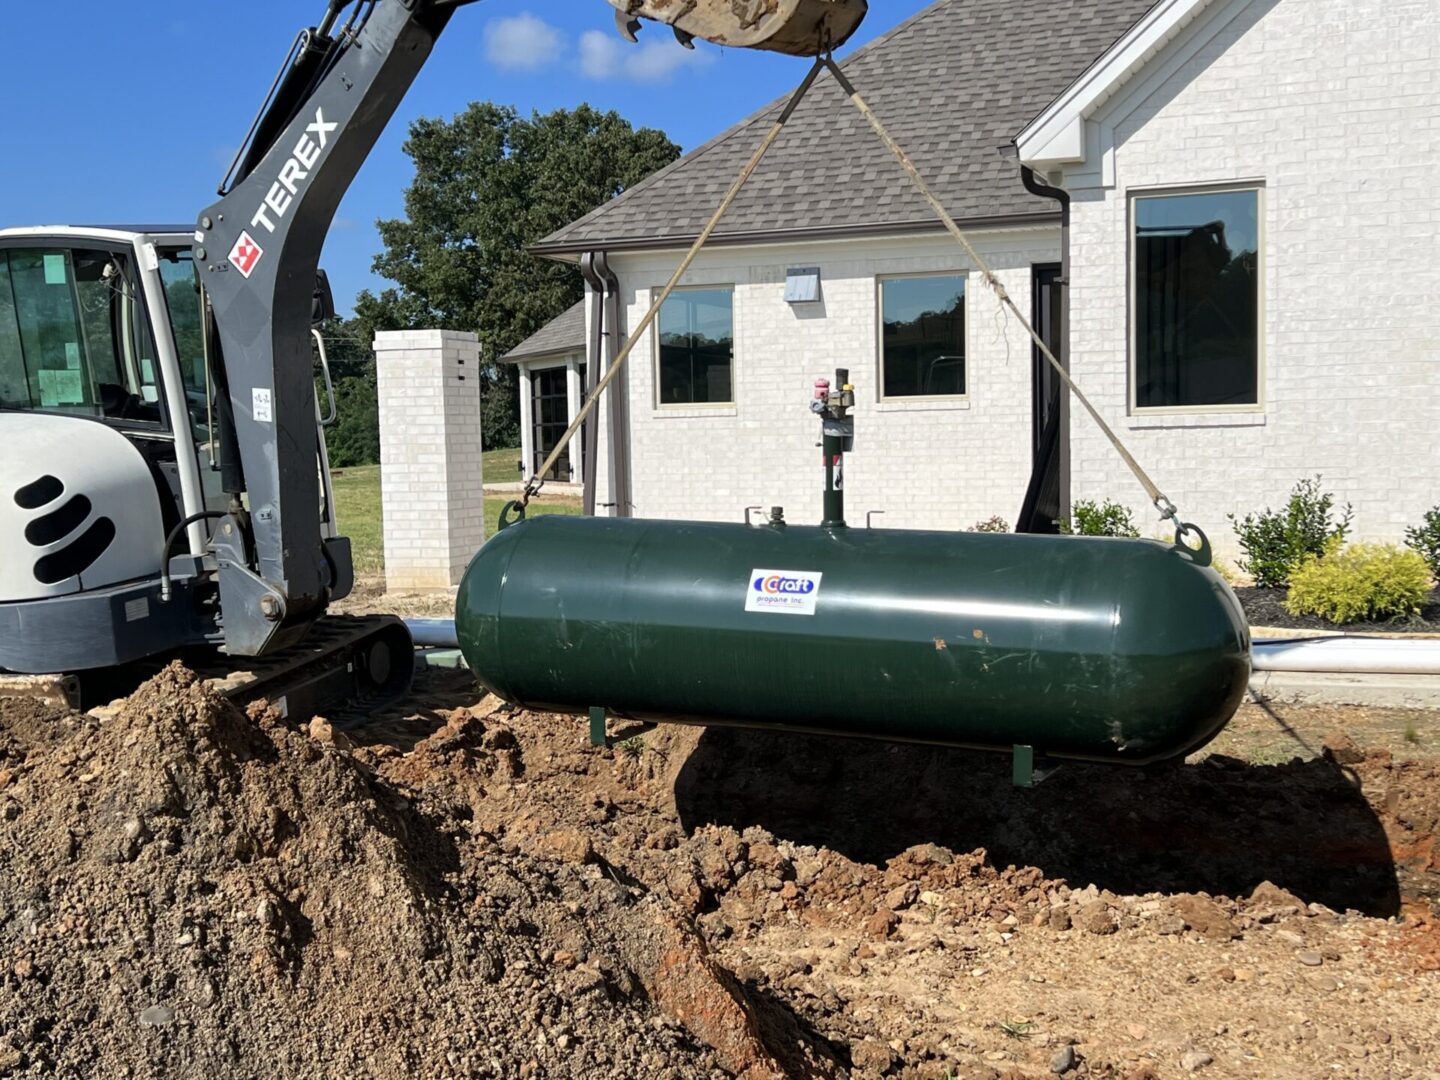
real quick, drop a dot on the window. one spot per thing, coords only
(1197, 300)
(697, 348)
(187, 327)
(187, 320)
(922, 339)
(73, 338)
(551, 410)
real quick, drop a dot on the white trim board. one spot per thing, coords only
(1057, 136)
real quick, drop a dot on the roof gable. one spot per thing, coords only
(1057, 135)
(563, 334)
(955, 83)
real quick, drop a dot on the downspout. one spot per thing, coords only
(1035, 186)
(619, 448)
(594, 359)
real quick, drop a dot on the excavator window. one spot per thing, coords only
(73, 337)
(187, 327)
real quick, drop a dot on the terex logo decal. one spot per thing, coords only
(245, 255)
(294, 172)
(785, 592)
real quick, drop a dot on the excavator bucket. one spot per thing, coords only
(797, 27)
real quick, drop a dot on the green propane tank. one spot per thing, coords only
(1071, 648)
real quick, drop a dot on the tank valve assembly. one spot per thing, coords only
(832, 403)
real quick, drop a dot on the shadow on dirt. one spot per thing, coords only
(1221, 827)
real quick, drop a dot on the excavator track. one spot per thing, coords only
(346, 668)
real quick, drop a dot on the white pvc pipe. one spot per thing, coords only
(1349, 656)
(433, 633)
(1338, 655)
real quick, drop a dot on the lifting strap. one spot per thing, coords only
(538, 481)
(1167, 509)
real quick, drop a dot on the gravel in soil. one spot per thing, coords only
(462, 889)
(927, 920)
(1266, 607)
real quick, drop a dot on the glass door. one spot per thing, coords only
(552, 416)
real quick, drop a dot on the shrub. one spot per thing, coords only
(996, 524)
(1276, 543)
(1369, 582)
(1099, 519)
(1426, 540)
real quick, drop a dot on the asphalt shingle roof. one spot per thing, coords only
(954, 83)
(562, 334)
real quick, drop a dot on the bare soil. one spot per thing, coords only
(370, 598)
(460, 889)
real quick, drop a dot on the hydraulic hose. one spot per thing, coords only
(166, 588)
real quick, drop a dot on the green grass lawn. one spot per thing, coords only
(357, 506)
(500, 466)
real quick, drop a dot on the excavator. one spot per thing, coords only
(164, 486)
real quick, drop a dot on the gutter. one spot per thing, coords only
(561, 249)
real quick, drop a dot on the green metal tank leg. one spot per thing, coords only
(598, 734)
(1029, 770)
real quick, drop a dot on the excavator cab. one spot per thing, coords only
(795, 27)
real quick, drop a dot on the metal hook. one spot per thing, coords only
(1204, 555)
(505, 520)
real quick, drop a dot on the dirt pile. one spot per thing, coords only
(185, 890)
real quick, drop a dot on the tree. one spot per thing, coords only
(487, 184)
(354, 437)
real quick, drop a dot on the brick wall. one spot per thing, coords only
(932, 464)
(430, 456)
(1335, 106)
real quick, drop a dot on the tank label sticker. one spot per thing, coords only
(783, 592)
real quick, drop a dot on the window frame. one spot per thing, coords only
(1132, 304)
(704, 407)
(931, 400)
(537, 373)
(126, 252)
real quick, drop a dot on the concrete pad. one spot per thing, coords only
(1322, 688)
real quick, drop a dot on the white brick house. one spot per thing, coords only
(1278, 334)
(1323, 118)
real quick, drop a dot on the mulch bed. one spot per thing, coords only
(1266, 607)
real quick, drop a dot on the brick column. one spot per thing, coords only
(430, 456)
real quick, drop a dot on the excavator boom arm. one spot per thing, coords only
(258, 251)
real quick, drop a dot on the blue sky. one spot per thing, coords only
(141, 119)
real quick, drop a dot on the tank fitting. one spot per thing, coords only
(832, 403)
